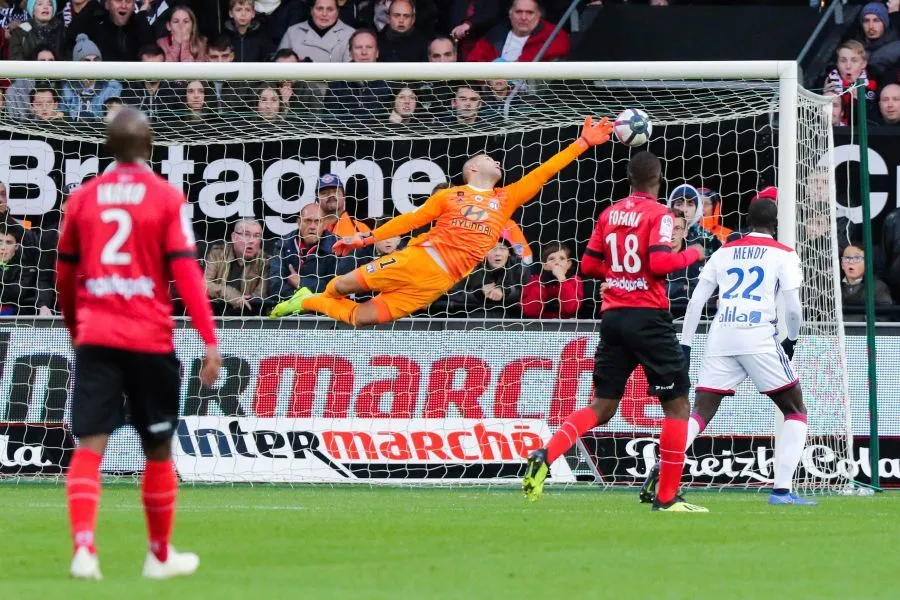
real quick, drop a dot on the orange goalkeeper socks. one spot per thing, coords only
(339, 309)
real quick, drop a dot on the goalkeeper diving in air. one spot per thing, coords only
(468, 221)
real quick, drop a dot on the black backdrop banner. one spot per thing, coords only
(271, 180)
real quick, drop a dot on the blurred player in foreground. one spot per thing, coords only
(125, 235)
(631, 248)
(469, 220)
(742, 341)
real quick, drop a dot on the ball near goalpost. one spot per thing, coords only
(633, 127)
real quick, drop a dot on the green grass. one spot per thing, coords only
(267, 543)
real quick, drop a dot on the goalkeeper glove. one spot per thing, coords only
(346, 245)
(686, 352)
(594, 135)
(788, 346)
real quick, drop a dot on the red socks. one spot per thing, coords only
(83, 495)
(573, 428)
(672, 442)
(158, 493)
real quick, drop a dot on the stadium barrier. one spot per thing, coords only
(463, 401)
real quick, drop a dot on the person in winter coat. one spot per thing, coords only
(85, 100)
(235, 272)
(44, 28)
(401, 40)
(680, 284)
(853, 285)
(248, 39)
(18, 281)
(470, 20)
(852, 66)
(494, 288)
(117, 30)
(521, 38)
(686, 200)
(18, 95)
(322, 38)
(184, 42)
(276, 16)
(711, 221)
(880, 39)
(556, 292)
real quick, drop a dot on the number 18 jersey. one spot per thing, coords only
(749, 273)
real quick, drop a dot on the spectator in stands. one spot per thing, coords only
(73, 8)
(556, 292)
(853, 288)
(711, 220)
(442, 49)
(322, 38)
(156, 98)
(297, 97)
(495, 93)
(83, 100)
(837, 109)
(45, 103)
(47, 240)
(236, 271)
(680, 284)
(470, 20)
(250, 42)
(494, 288)
(466, 108)
(400, 40)
(195, 101)
(268, 104)
(879, 38)
(12, 15)
(404, 109)
(432, 95)
(276, 16)
(184, 42)
(233, 97)
(331, 199)
(18, 276)
(851, 67)
(769, 192)
(111, 107)
(521, 39)
(686, 200)
(18, 95)
(889, 104)
(359, 100)
(306, 258)
(43, 29)
(116, 29)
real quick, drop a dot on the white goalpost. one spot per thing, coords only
(454, 394)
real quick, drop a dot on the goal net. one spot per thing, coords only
(464, 390)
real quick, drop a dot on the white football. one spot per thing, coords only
(633, 127)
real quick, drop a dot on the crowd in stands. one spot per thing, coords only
(247, 274)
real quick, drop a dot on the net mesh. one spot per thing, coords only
(388, 404)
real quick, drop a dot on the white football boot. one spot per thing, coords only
(85, 565)
(177, 564)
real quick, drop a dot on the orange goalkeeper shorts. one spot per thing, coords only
(407, 280)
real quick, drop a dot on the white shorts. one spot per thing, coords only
(771, 372)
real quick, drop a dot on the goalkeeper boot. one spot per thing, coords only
(85, 565)
(177, 563)
(677, 505)
(291, 306)
(648, 490)
(536, 472)
(790, 498)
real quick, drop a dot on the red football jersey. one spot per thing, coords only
(625, 236)
(120, 230)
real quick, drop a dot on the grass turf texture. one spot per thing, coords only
(353, 542)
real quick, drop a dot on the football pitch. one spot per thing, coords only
(267, 542)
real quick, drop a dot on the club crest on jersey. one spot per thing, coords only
(493, 205)
(474, 213)
(666, 226)
(479, 199)
(370, 268)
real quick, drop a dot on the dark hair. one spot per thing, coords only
(439, 187)
(644, 170)
(222, 44)
(361, 31)
(553, 248)
(13, 229)
(763, 214)
(441, 37)
(852, 245)
(43, 85)
(150, 50)
(43, 48)
(112, 101)
(285, 53)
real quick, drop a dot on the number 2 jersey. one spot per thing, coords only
(121, 235)
(750, 273)
(631, 249)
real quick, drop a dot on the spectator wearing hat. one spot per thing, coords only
(686, 200)
(85, 100)
(332, 200)
(521, 38)
(711, 221)
(44, 28)
(879, 38)
(118, 31)
(18, 95)
(556, 292)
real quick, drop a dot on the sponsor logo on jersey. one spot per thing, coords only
(370, 268)
(127, 287)
(628, 285)
(732, 315)
(474, 213)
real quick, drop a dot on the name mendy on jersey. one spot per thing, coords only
(748, 252)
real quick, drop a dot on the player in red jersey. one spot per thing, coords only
(631, 249)
(125, 235)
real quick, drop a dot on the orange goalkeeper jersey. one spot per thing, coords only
(468, 221)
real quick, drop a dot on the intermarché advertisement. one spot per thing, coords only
(402, 403)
